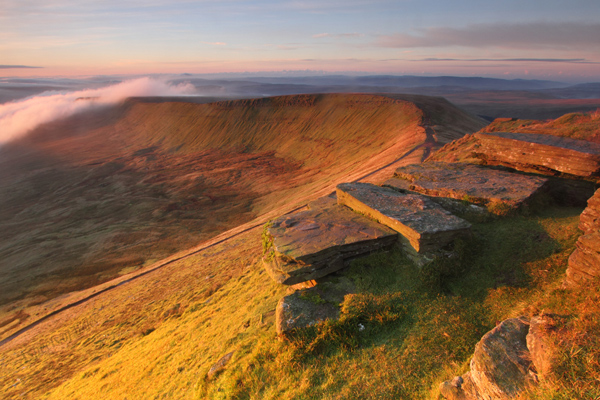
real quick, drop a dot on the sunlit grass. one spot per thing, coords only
(402, 333)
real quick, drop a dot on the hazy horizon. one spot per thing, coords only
(27, 103)
(531, 39)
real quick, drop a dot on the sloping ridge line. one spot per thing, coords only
(215, 241)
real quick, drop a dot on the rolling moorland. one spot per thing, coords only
(98, 199)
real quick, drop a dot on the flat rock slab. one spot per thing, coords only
(311, 244)
(474, 183)
(426, 225)
(540, 153)
(323, 202)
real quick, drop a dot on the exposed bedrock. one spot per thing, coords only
(308, 307)
(499, 368)
(310, 244)
(473, 183)
(514, 355)
(584, 263)
(540, 153)
(424, 226)
(589, 221)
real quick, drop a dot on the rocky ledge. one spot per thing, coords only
(310, 244)
(532, 152)
(494, 188)
(514, 355)
(424, 226)
(589, 221)
(584, 263)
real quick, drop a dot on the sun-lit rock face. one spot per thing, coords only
(515, 355)
(529, 152)
(589, 221)
(534, 152)
(311, 244)
(584, 263)
(425, 226)
(472, 183)
(499, 368)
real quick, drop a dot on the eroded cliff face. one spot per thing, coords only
(584, 263)
(510, 358)
(88, 198)
(528, 152)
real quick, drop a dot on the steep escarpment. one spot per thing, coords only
(204, 325)
(317, 130)
(105, 193)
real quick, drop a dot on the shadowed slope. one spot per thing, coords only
(104, 193)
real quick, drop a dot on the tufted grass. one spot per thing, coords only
(400, 335)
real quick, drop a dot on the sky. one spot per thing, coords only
(537, 39)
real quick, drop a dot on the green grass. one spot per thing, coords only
(407, 330)
(402, 333)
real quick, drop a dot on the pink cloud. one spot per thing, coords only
(19, 117)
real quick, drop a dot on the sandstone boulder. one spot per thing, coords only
(589, 221)
(532, 152)
(311, 306)
(500, 367)
(473, 183)
(424, 225)
(540, 343)
(584, 263)
(310, 244)
(219, 366)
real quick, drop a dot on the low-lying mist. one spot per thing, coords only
(19, 117)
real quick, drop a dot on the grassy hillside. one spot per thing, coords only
(403, 332)
(106, 193)
(157, 337)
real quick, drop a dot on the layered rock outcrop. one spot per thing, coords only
(584, 263)
(469, 182)
(535, 152)
(424, 226)
(529, 152)
(514, 355)
(589, 221)
(310, 244)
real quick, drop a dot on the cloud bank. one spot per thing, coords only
(569, 35)
(19, 117)
(16, 66)
(542, 60)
